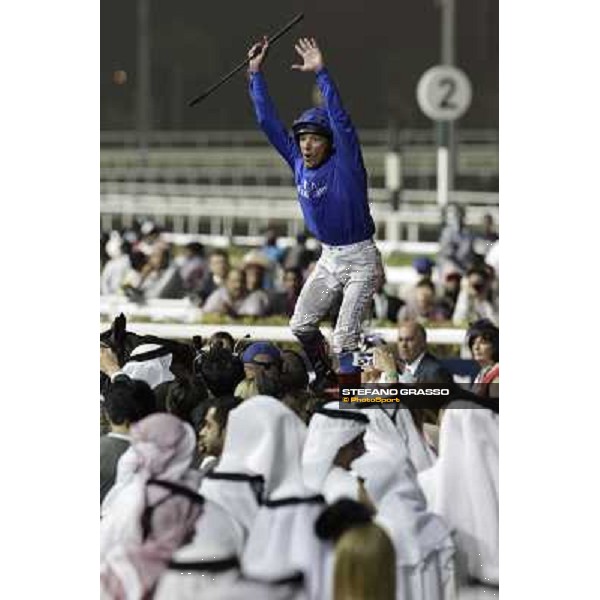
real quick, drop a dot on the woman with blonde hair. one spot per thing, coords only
(364, 559)
(365, 565)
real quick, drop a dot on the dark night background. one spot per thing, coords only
(376, 50)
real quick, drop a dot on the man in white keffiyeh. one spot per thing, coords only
(463, 487)
(282, 538)
(334, 441)
(150, 363)
(423, 543)
(152, 508)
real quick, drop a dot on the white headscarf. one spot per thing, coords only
(217, 538)
(264, 437)
(463, 487)
(231, 504)
(391, 482)
(225, 484)
(340, 483)
(326, 435)
(154, 371)
(386, 452)
(282, 538)
(423, 543)
(238, 498)
(161, 448)
(421, 455)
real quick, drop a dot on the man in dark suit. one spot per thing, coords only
(418, 363)
(127, 401)
(415, 365)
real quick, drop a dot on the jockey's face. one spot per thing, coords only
(314, 148)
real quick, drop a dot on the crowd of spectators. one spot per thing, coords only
(460, 286)
(224, 475)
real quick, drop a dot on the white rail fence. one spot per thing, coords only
(225, 214)
(287, 192)
(186, 327)
(247, 241)
(269, 332)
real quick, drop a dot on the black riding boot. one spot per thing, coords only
(315, 348)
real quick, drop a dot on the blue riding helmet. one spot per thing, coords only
(313, 120)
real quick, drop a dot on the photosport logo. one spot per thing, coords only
(414, 395)
(379, 393)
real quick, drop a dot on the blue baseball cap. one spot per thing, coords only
(261, 348)
(423, 265)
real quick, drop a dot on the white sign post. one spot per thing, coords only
(444, 94)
